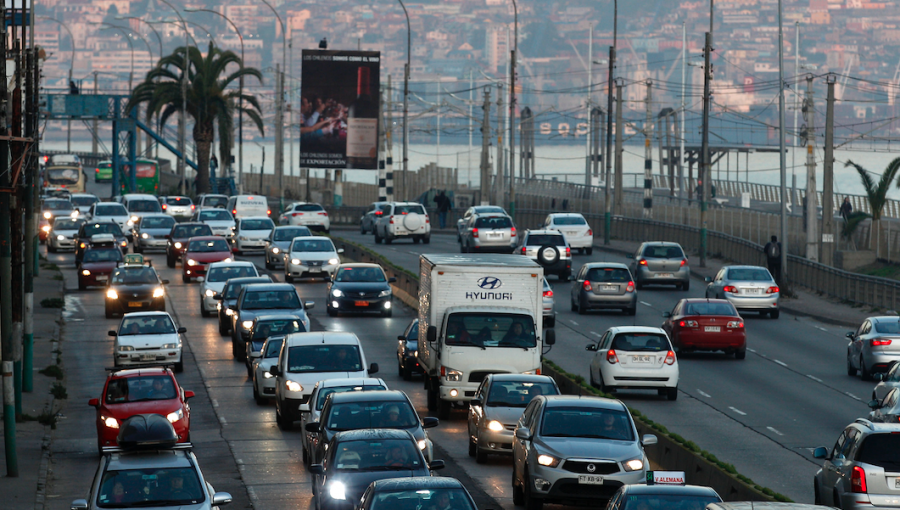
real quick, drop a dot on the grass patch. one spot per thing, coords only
(54, 371)
(48, 417)
(50, 267)
(52, 303)
(59, 391)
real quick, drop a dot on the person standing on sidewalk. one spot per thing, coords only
(444, 206)
(846, 208)
(773, 258)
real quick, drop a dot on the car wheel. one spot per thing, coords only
(138, 248)
(480, 455)
(387, 313)
(631, 311)
(517, 494)
(740, 353)
(406, 374)
(288, 278)
(590, 251)
(817, 499)
(836, 499)
(283, 422)
(170, 261)
(473, 447)
(774, 314)
(530, 502)
(415, 240)
(443, 408)
(462, 248)
(864, 373)
(388, 239)
(550, 322)
(850, 369)
(81, 285)
(332, 312)
(638, 285)
(179, 367)
(594, 383)
(432, 395)
(426, 239)
(223, 331)
(574, 306)
(268, 264)
(109, 313)
(399, 368)
(185, 278)
(203, 310)
(362, 230)
(377, 237)
(672, 393)
(260, 400)
(249, 371)
(686, 285)
(305, 453)
(582, 309)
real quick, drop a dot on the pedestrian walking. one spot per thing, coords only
(846, 208)
(773, 258)
(443, 206)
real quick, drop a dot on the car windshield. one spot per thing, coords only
(324, 392)
(303, 359)
(490, 330)
(138, 389)
(223, 274)
(178, 201)
(749, 274)
(662, 252)
(493, 222)
(144, 206)
(103, 255)
(710, 308)
(63, 175)
(215, 215)
(126, 276)
(569, 220)
(273, 348)
(379, 455)
(161, 222)
(454, 499)
(890, 327)
(287, 234)
(58, 205)
(308, 207)
(147, 325)
(271, 300)
(102, 228)
(413, 331)
(312, 245)
(215, 202)
(211, 245)
(882, 450)
(184, 231)
(588, 422)
(545, 239)
(278, 327)
(395, 414)
(67, 224)
(265, 224)
(85, 200)
(409, 209)
(516, 393)
(608, 274)
(643, 342)
(360, 274)
(150, 487)
(667, 502)
(110, 210)
(489, 210)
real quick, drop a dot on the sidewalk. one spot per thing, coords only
(32, 436)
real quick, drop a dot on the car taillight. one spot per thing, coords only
(323, 214)
(611, 357)
(568, 251)
(523, 250)
(643, 262)
(269, 212)
(858, 480)
(629, 287)
(548, 293)
(683, 262)
(587, 285)
(590, 233)
(735, 324)
(670, 358)
(730, 288)
(879, 342)
(512, 232)
(193, 207)
(392, 220)
(687, 324)
(378, 213)
(294, 215)
(427, 219)
(474, 232)
(233, 211)
(97, 170)
(772, 290)
(164, 206)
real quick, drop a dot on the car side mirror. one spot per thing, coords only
(591, 347)
(316, 469)
(188, 394)
(79, 504)
(94, 402)
(430, 422)
(878, 377)
(164, 282)
(849, 334)
(401, 337)
(221, 499)
(571, 278)
(373, 368)
(523, 433)
(667, 314)
(550, 337)
(475, 402)
(820, 453)
(649, 439)
(312, 427)
(874, 404)
(707, 279)
(392, 280)
(431, 334)
(274, 370)
(304, 408)
(436, 464)
(111, 333)
(182, 330)
(340, 250)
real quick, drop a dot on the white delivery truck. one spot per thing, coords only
(478, 315)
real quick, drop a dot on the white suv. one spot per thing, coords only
(403, 219)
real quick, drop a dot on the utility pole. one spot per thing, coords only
(382, 137)
(587, 110)
(94, 126)
(30, 239)
(620, 133)
(471, 130)
(648, 154)
(827, 255)
(403, 189)
(705, 173)
(279, 131)
(812, 213)
(782, 163)
(485, 140)
(17, 228)
(607, 204)
(496, 187)
(389, 136)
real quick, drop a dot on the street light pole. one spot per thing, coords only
(279, 110)
(607, 215)
(512, 110)
(159, 40)
(782, 163)
(406, 72)
(130, 46)
(71, 67)
(182, 125)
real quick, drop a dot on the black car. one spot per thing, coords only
(264, 299)
(228, 298)
(417, 492)
(357, 458)
(178, 238)
(360, 288)
(134, 287)
(263, 327)
(660, 497)
(91, 228)
(407, 348)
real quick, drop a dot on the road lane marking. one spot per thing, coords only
(814, 378)
(215, 403)
(573, 322)
(742, 413)
(821, 328)
(775, 431)
(222, 420)
(780, 363)
(854, 397)
(595, 333)
(646, 304)
(707, 395)
(752, 350)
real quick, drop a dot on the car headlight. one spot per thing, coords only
(293, 386)
(422, 444)
(229, 312)
(332, 262)
(60, 237)
(337, 293)
(495, 425)
(145, 236)
(82, 245)
(451, 374)
(158, 292)
(337, 490)
(267, 375)
(110, 422)
(210, 293)
(86, 272)
(48, 215)
(112, 294)
(74, 214)
(192, 262)
(247, 324)
(170, 346)
(384, 293)
(175, 416)
(177, 246)
(228, 259)
(296, 262)
(244, 238)
(134, 219)
(46, 228)
(126, 348)
(634, 464)
(548, 460)
(276, 251)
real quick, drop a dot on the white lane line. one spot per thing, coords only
(780, 362)
(854, 397)
(752, 350)
(646, 304)
(821, 328)
(742, 413)
(775, 431)
(222, 420)
(707, 395)
(215, 403)
(814, 378)
(592, 332)
(573, 322)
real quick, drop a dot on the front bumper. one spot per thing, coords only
(345, 304)
(127, 305)
(129, 358)
(458, 391)
(64, 244)
(303, 269)
(209, 304)
(290, 407)
(266, 385)
(560, 486)
(648, 277)
(194, 271)
(767, 302)
(151, 243)
(496, 441)
(250, 245)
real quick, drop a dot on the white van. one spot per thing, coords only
(139, 204)
(248, 205)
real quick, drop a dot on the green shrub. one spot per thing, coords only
(59, 391)
(54, 371)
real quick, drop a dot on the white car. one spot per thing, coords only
(263, 381)
(306, 214)
(476, 209)
(111, 211)
(634, 357)
(62, 234)
(212, 201)
(407, 220)
(140, 205)
(576, 229)
(219, 220)
(83, 202)
(178, 207)
(250, 233)
(148, 338)
(311, 256)
(216, 275)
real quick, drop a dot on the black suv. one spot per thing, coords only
(228, 298)
(83, 237)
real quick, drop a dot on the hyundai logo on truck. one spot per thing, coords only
(490, 283)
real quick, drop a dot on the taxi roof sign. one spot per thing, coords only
(665, 478)
(134, 259)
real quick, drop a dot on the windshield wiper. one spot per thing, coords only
(389, 468)
(164, 502)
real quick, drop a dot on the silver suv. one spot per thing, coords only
(550, 249)
(488, 232)
(862, 469)
(575, 449)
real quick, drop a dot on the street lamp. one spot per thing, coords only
(607, 216)
(241, 99)
(406, 72)
(512, 110)
(71, 66)
(279, 114)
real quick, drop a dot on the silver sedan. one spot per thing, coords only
(748, 288)
(887, 382)
(874, 346)
(886, 410)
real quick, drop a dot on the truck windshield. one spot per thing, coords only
(491, 330)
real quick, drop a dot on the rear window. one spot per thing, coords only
(663, 252)
(313, 245)
(111, 210)
(182, 231)
(271, 300)
(218, 215)
(543, 239)
(409, 209)
(85, 200)
(208, 246)
(215, 201)
(308, 207)
(709, 309)
(223, 274)
(324, 392)
(324, 358)
(749, 274)
(892, 327)
(494, 222)
(102, 228)
(569, 220)
(66, 224)
(178, 201)
(600, 274)
(882, 450)
(144, 206)
(265, 224)
(287, 234)
(644, 342)
(166, 222)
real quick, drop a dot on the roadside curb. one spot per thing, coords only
(40, 498)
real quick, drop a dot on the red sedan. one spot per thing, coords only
(706, 325)
(96, 266)
(152, 390)
(202, 251)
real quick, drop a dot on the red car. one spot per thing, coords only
(706, 325)
(151, 390)
(200, 252)
(98, 263)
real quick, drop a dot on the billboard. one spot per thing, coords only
(339, 99)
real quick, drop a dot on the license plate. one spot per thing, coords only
(609, 288)
(590, 479)
(752, 291)
(712, 329)
(642, 359)
(315, 270)
(135, 304)
(102, 278)
(361, 303)
(663, 275)
(492, 235)
(148, 357)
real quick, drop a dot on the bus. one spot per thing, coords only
(147, 176)
(70, 177)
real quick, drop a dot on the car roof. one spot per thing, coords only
(417, 482)
(245, 218)
(704, 300)
(558, 214)
(143, 459)
(744, 267)
(876, 428)
(358, 265)
(637, 329)
(155, 215)
(189, 223)
(286, 227)
(520, 378)
(138, 196)
(372, 434)
(270, 286)
(404, 203)
(603, 265)
(138, 372)
(353, 381)
(662, 489)
(762, 505)
(544, 231)
(885, 318)
(309, 237)
(322, 337)
(146, 314)
(583, 401)
(234, 263)
(662, 243)
(276, 317)
(207, 238)
(369, 396)
(249, 279)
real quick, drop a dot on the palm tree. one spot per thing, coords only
(208, 101)
(876, 194)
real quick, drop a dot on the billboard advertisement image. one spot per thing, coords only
(339, 99)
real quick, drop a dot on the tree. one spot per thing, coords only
(209, 100)
(876, 194)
